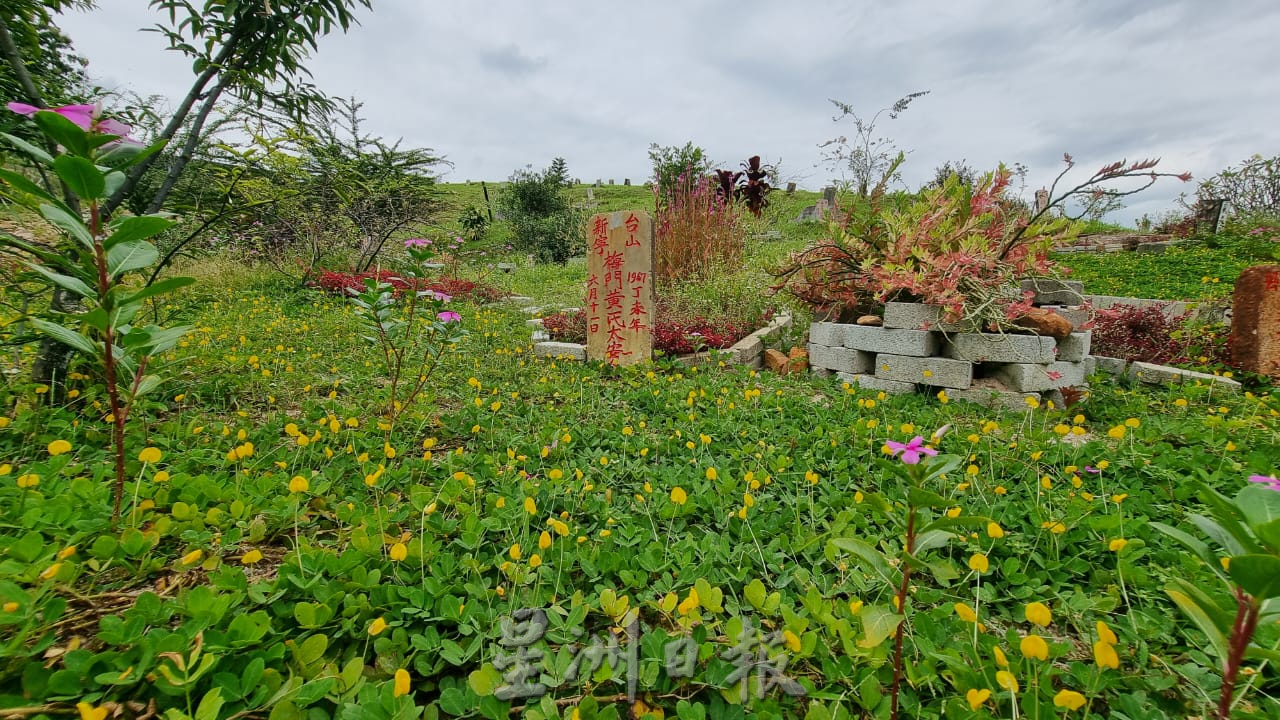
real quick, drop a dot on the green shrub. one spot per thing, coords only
(543, 221)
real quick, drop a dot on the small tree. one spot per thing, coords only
(866, 156)
(1250, 188)
(542, 219)
(559, 171)
(672, 164)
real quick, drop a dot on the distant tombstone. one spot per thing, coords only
(1208, 212)
(829, 194)
(619, 298)
(626, 181)
(599, 182)
(591, 195)
(610, 181)
(1255, 321)
(1042, 200)
(791, 188)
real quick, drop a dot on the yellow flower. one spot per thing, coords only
(706, 439)
(389, 451)
(57, 447)
(28, 480)
(1034, 646)
(942, 397)
(689, 604)
(192, 557)
(1068, 699)
(377, 626)
(1132, 422)
(162, 476)
(149, 455)
(1006, 680)
(399, 551)
(978, 563)
(495, 406)
(51, 571)
(855, 606)
(1000, 490)
(712, 474)
(994, 530)
(555, 474)
(251, 557)
(535, 561)
(514, 552)
(812, 477)
(678, 495)
(11, 607)
(1117, 432)
(977, 697)
(1001, 660)
(966, 613)
(1117, 545)
(5, 469)
(1104, 654)
(66, 552)
(530, 506)
(89, 712)
(1039, 613)
(544, 540)
(4, 422)
(1105, 634)
(791, 640)
(561, 528)
(299, 484)
(1180, 402)
(401, 683)
(953, 512)
(1033, 402)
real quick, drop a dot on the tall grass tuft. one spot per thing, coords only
(696, 230)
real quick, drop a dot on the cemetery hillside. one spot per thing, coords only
(297, 424)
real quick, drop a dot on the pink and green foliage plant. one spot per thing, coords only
(958, 246)
(697, 230)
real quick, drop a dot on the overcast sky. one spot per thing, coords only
(499, 84)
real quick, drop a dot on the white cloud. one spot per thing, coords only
(498, 85)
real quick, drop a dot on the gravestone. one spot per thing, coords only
(619, 298)
(829, 195)
(598, 182)
(626, 181)
(1255, 321)
(591, 195)
(1042, 199)
(610, 181)
(791, 188)
(1208, 213)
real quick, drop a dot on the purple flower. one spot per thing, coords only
(1271, 482)
(911, 451)
(1091, 469)
(449, 316)
(416, 242)
(442, 297)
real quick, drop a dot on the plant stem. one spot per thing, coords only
(109, 363)
(902, 610)
(1247, 611)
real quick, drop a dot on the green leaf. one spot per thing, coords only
(1230, 534)
(1217, 638)
(136, 228)
(1269, 533)
(931, 539)
(939, 465)
(484, 681)
(75, 285)
(71, 224)
(1200, 549)
(114, 181)
(167, 285)
(210, 704)
(1258, 505)
(66, 336)
(36, 153)
(82, 176)
(869, 555)
(147, 384)
(919, 497)
(755, 593)
(63, 131)
(20, 183)
(126, 154)
(962, 521)
(133, 255)
(1258, 575)
(878, 623)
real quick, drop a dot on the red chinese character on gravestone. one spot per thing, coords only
(600, 235)
(613, 264)
(637, 308)
(632, 223)
(637, 325)
(614, 298)
(1271, 281)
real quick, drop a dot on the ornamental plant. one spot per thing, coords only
(957, 246)
(412, 329)
(1246, 562)
(696, 230)
(95, 260)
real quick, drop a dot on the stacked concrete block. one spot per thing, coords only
(1054, 292)
(915, 351)
(1164, 375)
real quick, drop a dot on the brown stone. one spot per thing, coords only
(872, 320)
(798, 362)
(1255, 321)
(775, 360)
(1044, 322)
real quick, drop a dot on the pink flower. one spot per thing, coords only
(911, 451)
(442, 297)
(449, 316)
(1270, 482)
(416, 242)
(86, 117)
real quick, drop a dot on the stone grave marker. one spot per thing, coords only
(626, 181)
(619, 297)
(829, 195)
(1042, 199)
(591, 195)
(791, 188)
(1255, 320)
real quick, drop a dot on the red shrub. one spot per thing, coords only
(343, 283)
(672, 335)
(1145, 334)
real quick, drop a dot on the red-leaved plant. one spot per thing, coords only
(956, 246)
(344, 283)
